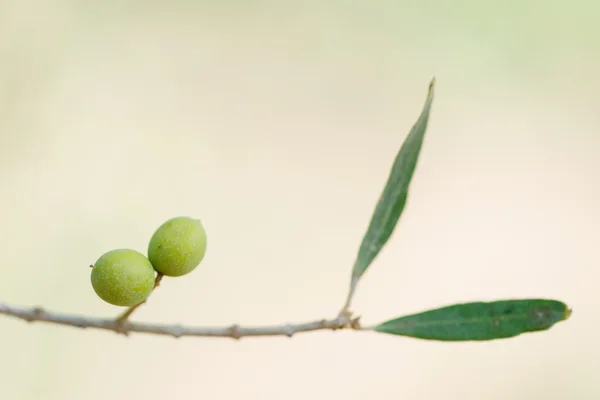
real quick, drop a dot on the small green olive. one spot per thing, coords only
(178, 246)
(123, 277)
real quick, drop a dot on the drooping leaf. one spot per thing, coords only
(393, 198)
(479, 320)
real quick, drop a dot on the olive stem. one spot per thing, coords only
(121, 321)
(345, 311)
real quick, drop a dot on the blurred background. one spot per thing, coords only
(276, 124)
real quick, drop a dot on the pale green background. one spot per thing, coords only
(276, 124)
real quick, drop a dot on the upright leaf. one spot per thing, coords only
(392, 200)
(479, 321)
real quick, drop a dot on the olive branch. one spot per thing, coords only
(474, 321)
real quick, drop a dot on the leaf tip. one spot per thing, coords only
(568, 312)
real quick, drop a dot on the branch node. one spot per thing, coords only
(338, 324)
(121, 326)
(36, 314)
(177, 331)
(289, 330)
(235, 332)
(80, 324)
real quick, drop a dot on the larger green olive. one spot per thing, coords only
(178, 246)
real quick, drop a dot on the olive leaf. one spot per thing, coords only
(479, 321)
(393, 199)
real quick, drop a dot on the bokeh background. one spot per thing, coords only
(276, 124)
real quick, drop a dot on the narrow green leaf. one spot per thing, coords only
(392, 200)
(479, 321)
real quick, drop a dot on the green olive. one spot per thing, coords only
(123, 277)
(178, 246)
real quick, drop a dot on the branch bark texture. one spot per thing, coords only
(233, 331)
